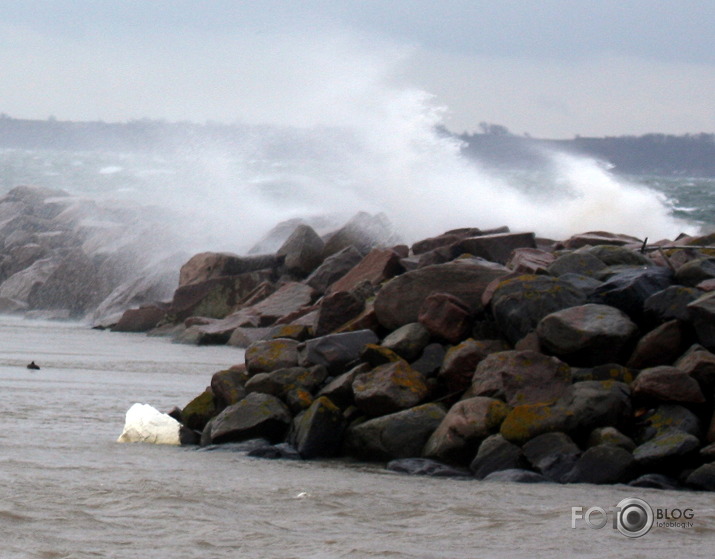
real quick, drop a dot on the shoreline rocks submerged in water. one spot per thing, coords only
(488, 355)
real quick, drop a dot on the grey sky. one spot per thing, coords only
(552, 68)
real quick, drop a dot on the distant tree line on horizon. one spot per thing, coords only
(649, 154)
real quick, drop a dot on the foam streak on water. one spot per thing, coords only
(68, 490)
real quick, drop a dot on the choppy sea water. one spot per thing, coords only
(70, 491)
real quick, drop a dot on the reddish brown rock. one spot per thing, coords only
(667, 384)
(379, 265)
(333, 268)
(142, 319)
(699, 363)
(399, 301)
(661, 346)
(467, 423)
(461, 360)
(335, 310)
(288, 299)
(444, 240)
(210, 265)
(530, 261)
(594, 238)
(389, 388)
(446, 317)
(495, 248)
(521, 377)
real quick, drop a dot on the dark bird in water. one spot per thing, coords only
(34, 366)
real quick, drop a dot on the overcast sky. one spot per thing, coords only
(550, 68)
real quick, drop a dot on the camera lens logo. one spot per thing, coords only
(634, 517)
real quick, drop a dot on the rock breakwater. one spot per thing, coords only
(486, 354)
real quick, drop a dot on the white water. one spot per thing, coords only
(70, 491)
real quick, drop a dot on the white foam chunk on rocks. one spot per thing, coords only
(146, 424)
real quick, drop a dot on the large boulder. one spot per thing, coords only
(521, 377)
(302, 252)
(702, 315)
(530, 261)
(142, 319)
(210, 265)
(495, 248)
(270, 355)
(228, 386)
(692, 273)
(495, 454)
(197, 412)
(661, 346)
(281, 382)
(552, 454)
(287, 299)
(336, 309)
(398, 435)
(595, 238)
(587, 335)
(389, 388)
(525, 422)
(340, 388)
(518, 304)
(408, 341)
(613, 255)
(703, 477)
(699, 363)
(581, 263)
(628, 290)
(667, 384)
(466, 424)
(610, 436)
(256, 416)
(591, 404)
(335, 351)
(462, 359)
(446, 317)
(333, 268)
(319, 431)
(378, 266)
(672, 449)
(602, 464)
(670, 303)
(668, 418)
(216, 297)
(400, 300)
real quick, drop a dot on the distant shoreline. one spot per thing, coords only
(689, 155)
